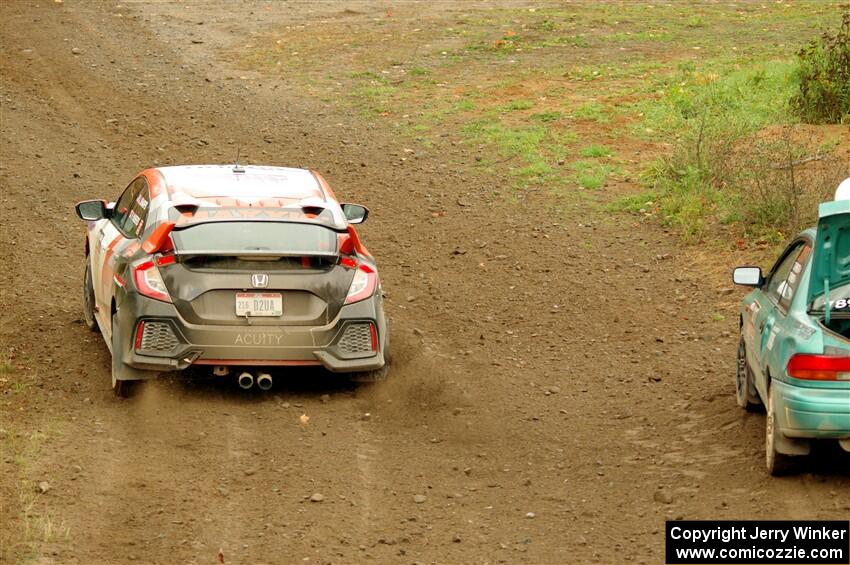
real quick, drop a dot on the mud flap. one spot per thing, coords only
(120, 370)
(791, 446)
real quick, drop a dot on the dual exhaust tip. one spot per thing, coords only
(246, 380)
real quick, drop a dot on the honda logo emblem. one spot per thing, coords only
(259, 281)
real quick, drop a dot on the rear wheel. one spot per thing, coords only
(778, 464)
(375, 376)
(124, 389)
(745, 390)
(88, 298)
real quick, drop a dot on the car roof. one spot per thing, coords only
(248, 183)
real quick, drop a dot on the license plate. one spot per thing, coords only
(259, 304)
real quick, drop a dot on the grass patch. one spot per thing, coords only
(591, 175)
(593, 111)
(31, 523)
(496, 77)
(596, 151)
(547, 116)
(514, 105)
(6, 366)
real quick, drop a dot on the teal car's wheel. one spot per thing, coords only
(88, 299)
(745, 390)
(778, 464)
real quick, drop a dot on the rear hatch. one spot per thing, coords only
(257, 272)
(829, 287)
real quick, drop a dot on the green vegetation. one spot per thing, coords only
(517, 105)
(712, 122)
(534, 147)
(724, 170)
(823, 76)
(591, 174)
(593, 111)
(596, 151)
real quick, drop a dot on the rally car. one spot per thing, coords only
(236, 268)
(794, 349)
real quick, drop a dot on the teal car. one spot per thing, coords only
(794, 349)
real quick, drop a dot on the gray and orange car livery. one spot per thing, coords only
(231, 266)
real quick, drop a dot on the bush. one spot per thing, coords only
(823, 76)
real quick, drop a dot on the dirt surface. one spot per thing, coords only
(553, 371)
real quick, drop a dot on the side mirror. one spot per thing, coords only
(93, 210)
(748, 276)
(355, 213)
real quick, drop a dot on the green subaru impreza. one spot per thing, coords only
(794, 351)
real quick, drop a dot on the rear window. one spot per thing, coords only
(255, 238)
(839, 299)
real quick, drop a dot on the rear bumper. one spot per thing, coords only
(166, 342)
(815, 413)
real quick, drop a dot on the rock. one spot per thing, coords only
(418, 332)
(325, 398)
(42, 487)
(76, 50)
(663, 496)
(419, 498)
(554, 389)
(411, 298)
(530, 515)
(317, 497)
(456, 539)
(467, 471)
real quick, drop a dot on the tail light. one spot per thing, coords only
(149, 281)
(140, 332)
(819, 367)
(363, 285)
(373, 334)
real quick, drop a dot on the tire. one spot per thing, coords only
(88, 299)
(375, 376)
(745, 388)
(124, 389)
(778, 464)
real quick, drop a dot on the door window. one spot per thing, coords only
(777, 286)
(131, 209)
(794, 276)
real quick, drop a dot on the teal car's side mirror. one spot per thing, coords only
(748, 276)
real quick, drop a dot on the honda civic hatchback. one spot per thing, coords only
(236, 268)
(794, 349)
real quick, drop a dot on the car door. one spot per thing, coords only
(771, 306)
(117, 238)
